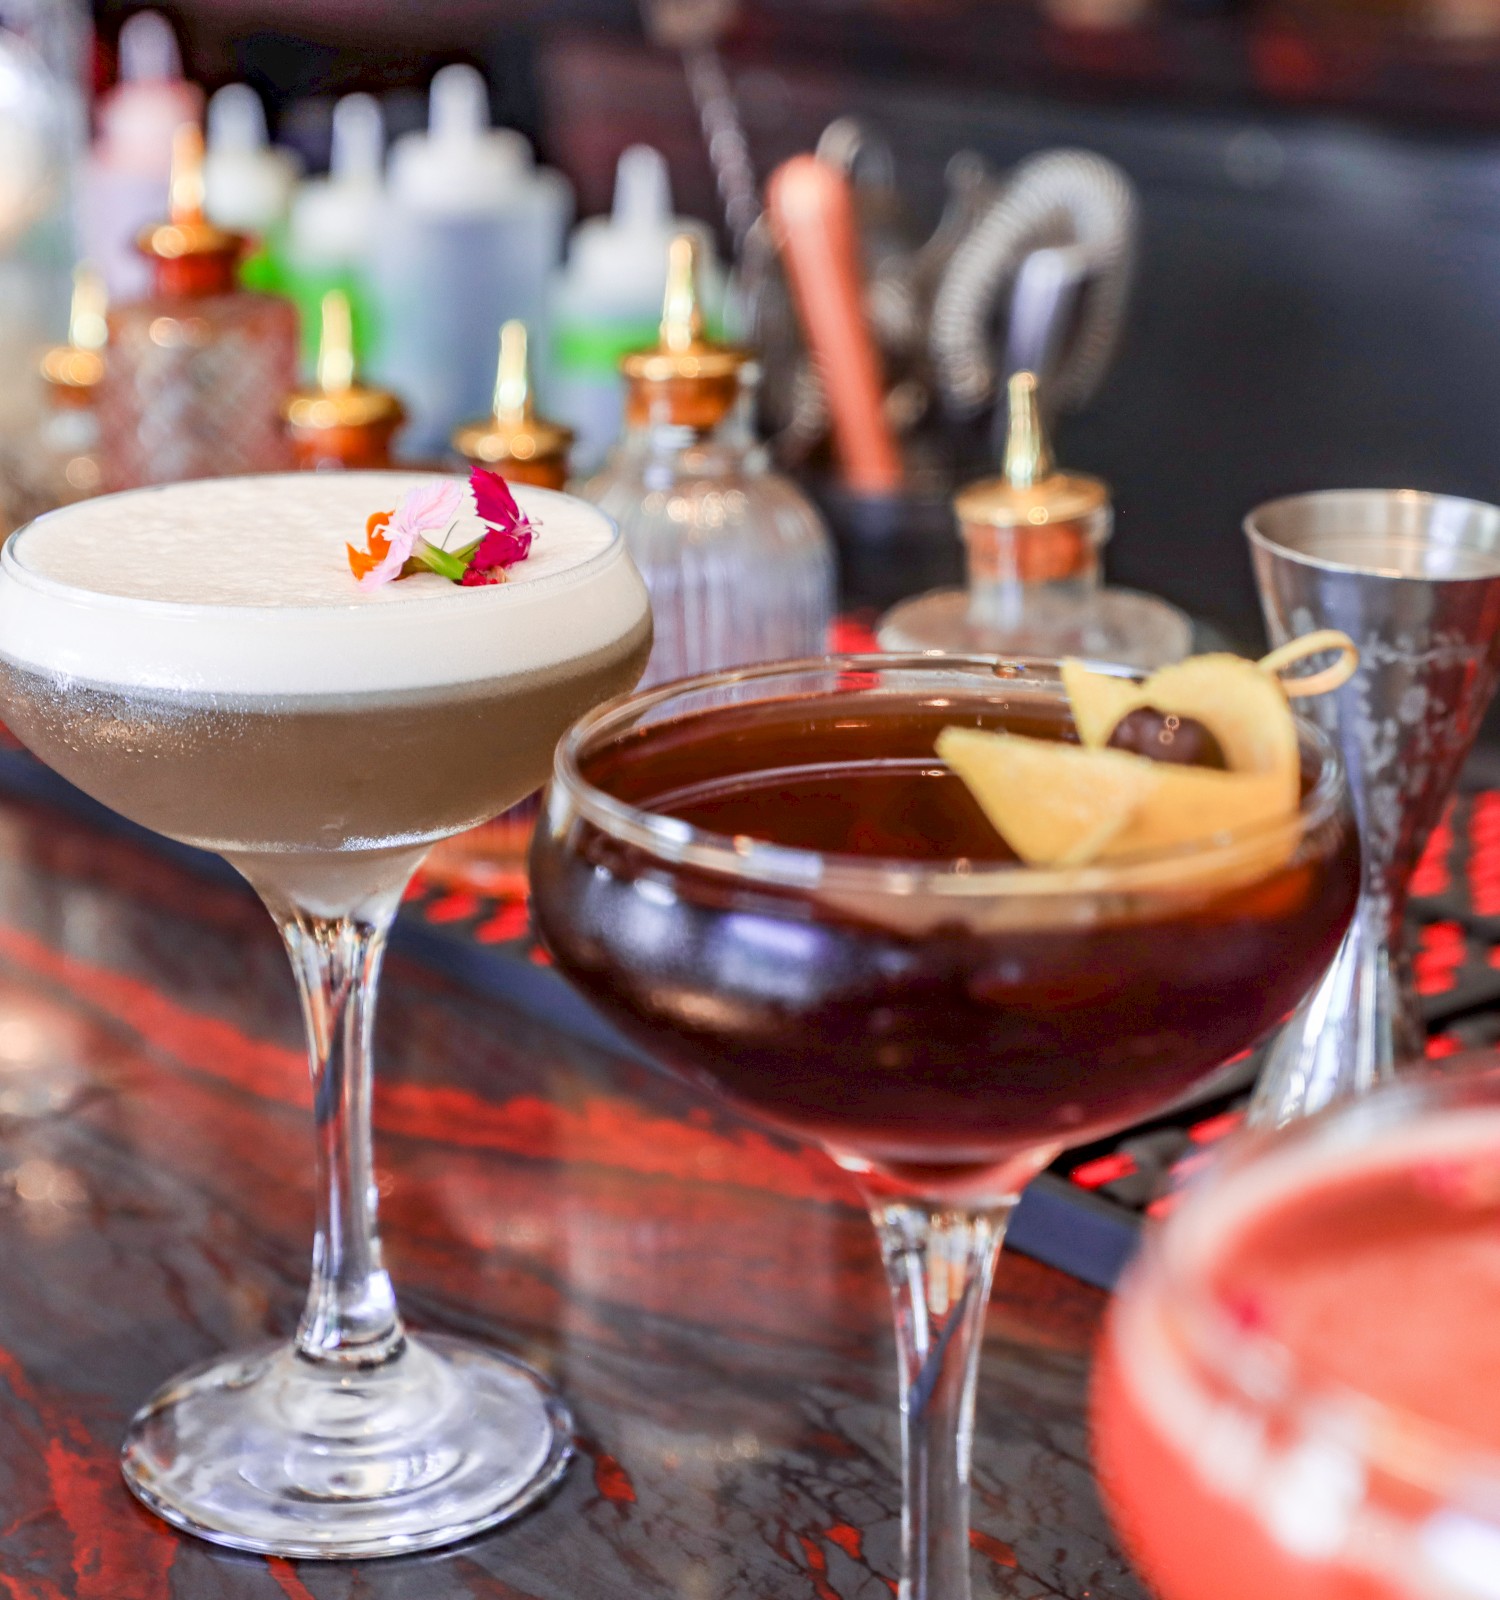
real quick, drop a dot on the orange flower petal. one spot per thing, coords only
(363, 561)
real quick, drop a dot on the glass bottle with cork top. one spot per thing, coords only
(1034, 539)
(739, 564)
(341, 423)
(197, 372)
(513, 440)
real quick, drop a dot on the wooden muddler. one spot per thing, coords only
(811, 207)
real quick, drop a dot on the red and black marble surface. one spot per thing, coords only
(709, 1299)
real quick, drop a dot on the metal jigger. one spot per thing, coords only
(1414, 580)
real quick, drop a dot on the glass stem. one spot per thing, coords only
(350, 1316)
(940, 1263)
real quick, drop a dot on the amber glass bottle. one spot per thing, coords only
(196, 373)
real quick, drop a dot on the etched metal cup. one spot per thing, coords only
(1414, 580)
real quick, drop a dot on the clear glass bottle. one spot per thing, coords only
(196, 373)
(513, 440)
(739, 564)
(43, 129)
(1034, 540)
(340, 424)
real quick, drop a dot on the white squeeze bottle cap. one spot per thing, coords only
(623, 257)
(247, 185)
(333, 219)
(148, 50)
(460, 165)
(357, 153)
(139, 116)
(643, 189)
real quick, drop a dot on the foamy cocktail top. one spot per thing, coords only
(242, 586)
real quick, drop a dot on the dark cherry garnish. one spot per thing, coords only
(1164, 736)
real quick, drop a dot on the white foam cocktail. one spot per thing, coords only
(201, 659)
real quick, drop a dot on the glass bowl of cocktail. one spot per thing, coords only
(210, 661)
(771, 879)
(1295, 1395)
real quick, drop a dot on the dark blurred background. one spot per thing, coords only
(1318, 301)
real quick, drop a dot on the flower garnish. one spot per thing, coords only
(363, 562)
(395, 537)
(400, 542)
(509, 531)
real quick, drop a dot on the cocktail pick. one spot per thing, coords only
(1414, 579)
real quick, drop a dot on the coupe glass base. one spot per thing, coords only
(272, 1452)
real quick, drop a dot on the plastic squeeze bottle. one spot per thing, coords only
(607, 300)
(247, 185)
(469, 234)
(125, 178)
(332, 228)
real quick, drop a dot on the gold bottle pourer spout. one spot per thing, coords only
(1030, 490)
(207, 253)
(186, 189)
(688, 379)
(1028, 457)
(683, 351)
(335, 344)
(513, 439)
(75, 368)
(681, 315)
(339, 399)
(512, 404)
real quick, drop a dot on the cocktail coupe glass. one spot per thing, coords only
(768, 878)
(1322, 1425)
(1414, 580)
(200, 659)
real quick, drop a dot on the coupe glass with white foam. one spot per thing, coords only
(200, 659)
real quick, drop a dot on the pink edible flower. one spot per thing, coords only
(508, 530)
(478, 577)
(429, 508)
(494, 502)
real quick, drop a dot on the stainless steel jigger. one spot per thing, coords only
(1414, 580)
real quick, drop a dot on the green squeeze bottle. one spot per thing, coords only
(331, 230)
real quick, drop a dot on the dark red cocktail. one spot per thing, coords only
(771, 880)
(920, 1028)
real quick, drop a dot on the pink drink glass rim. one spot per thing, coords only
(1266, 1375)
(755, 861)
